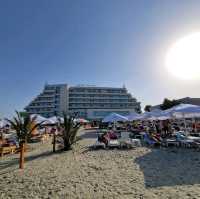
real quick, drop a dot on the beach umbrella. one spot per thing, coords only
(151, 115)
(3, 123)
(114, 117)
(184, 111)
(179, 108)
(39, 118)
(144, 116)
(163, 117)
(80, 120)
(187, 112)
(133, 116)
(172, 112)
(61, 119)
(53, 119)
(169, 113)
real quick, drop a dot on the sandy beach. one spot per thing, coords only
(139, 173)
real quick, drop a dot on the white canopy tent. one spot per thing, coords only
(153, 115)
(179, 108)
(133, 116)
(114, 117)
(160, 116)
(187, 112)
(179, 111)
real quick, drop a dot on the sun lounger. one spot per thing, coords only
(197, 145)
(173, 142)
(194, 138)
(136, 142)
(113, 143)
(125, 140)
(148, 140)
(125, 136)
(98, 144)
(187, 143)
(183, 140)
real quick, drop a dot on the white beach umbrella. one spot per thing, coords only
(39, 118)
(179, 108)
(61, 119)
(52, 120)
(144, 116)
(187, 112)
(156, 115)
(55, 119)
(3, 123)
(163, 117)
(150, 115)
(133, 116)
(81, 120)
(184, 111)
(114, 117)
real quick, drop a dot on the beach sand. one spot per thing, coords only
(141, 173)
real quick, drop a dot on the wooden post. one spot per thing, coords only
(54, 142)
(21, 161)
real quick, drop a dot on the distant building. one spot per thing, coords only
(89, 102)
(186, 100)
(51, 101)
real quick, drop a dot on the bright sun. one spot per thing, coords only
(183, 59)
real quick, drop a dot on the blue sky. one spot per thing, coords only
(98, 42)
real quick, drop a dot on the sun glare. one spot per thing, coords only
(183, 58)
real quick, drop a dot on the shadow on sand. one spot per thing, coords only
(89, 135)
(9, 165)
(170, 167)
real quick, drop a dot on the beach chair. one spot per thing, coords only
(113, 143)
(197, 145)
(125, 140)
(148, 140)
(187, 143)
(136, 142)
(172, 142)
(183, 140)
(98, 144)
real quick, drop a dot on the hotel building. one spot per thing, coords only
(88, 102)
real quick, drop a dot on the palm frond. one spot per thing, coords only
(19, 118)
(12, 123)
(69, 131)
(22, 126)
(36, 126)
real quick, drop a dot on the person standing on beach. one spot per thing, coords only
(165, 128)
(157, 126)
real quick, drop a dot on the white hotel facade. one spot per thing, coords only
(89, 102)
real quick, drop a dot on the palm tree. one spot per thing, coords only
(24, 126)
(70, 131)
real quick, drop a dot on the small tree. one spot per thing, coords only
(69, 131)
(147, 108)
(24, 126)
(169, 104)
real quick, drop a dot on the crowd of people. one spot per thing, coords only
(156, 131)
